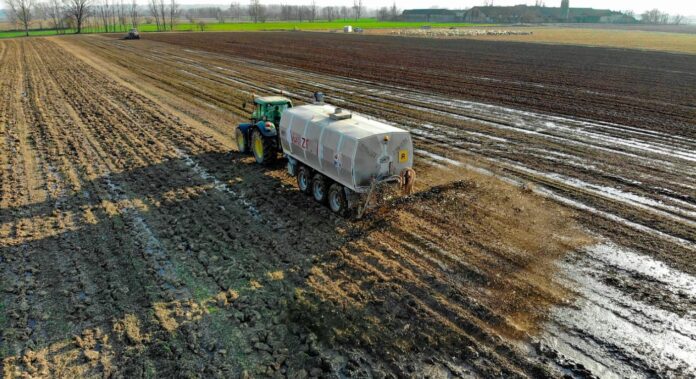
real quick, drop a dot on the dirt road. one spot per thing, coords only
(136, 242)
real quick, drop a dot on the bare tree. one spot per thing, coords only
(163, 13)
(257, 11)
(78, 10)
(285, 12)
(357, 9)
(21, 10)
(253, 10)
(113, 16)
(654, 16)
(104, 11)
(329, 13)
(12, 19)
(664, 18)
(100, 10)
(173, 13)
(133, 12)
(236, 11)
(394, 12)
(677, 19)
(383, 14)
(122, 15)
(313, 11)
(154, 11)
(40, 13)
(55, 12)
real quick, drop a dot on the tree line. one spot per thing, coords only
(258, 12)
(119, 15)
(97, 15)
(657, 17)
(61, 13)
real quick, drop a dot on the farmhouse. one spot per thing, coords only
(536, 14)
(433, 15)
(519, 14)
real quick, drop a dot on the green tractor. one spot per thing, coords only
(260, 135)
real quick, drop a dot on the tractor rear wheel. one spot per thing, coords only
(337, 199)
(320, 188)
(262, 148)
(304, 179)
(241, 141)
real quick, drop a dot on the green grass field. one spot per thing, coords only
(14, 33)
(273, 25)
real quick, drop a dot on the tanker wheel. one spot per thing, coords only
(261, 147)
(320, 188)
(241, 141)
(304, 179)
(337, 199)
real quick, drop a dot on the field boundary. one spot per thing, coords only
(366, 24)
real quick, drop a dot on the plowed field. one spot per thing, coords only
(136, 242)
(648, 90)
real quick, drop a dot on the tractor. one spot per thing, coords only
(260, 135)
(132, 34)
(344, 160)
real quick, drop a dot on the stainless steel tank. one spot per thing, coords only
(348, 148)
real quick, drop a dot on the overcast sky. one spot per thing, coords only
(686, 7)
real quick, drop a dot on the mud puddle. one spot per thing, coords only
(634, 316)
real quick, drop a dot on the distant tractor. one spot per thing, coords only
(341, 159)
(132, 34)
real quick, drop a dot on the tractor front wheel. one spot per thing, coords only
(262, 148)
(241, 141)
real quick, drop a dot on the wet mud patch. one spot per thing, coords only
(633, 316)
(442, 275)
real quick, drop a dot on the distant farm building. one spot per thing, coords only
(433, 15)
(519, 14)
(534, 14)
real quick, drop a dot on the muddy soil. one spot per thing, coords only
(648, 90)
(136, 242)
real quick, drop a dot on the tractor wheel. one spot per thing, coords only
(304, 179)
(320, 188)
(262, 148)
(241, 141)
(337, 199)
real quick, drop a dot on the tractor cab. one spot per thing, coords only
(269, 108)
(260, 135)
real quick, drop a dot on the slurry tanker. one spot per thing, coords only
(340, 158)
